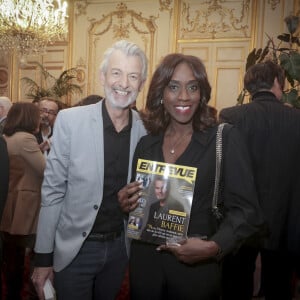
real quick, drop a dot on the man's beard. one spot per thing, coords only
(45, 122)
(109, 96)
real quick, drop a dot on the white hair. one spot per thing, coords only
(130, 49)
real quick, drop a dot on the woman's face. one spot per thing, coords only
(182, 95)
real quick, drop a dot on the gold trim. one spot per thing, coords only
(203, 40)
(177, 5)
(70, 34)
(165, 5)
(254, 23)
(273, 3)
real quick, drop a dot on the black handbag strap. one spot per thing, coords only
(219, 144)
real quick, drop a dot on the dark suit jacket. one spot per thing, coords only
(4, 173)
(4, 177)
(272, 134)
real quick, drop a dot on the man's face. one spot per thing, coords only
(160, 188)
(48, 112)
(123, 79)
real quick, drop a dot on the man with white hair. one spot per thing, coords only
(80, 244)
(5, 105)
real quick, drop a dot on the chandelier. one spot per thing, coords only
(28, 26)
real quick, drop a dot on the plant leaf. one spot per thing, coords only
(292, 98)
(285, 37)
(291, 64)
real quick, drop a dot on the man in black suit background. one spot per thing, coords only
(272, 133)
(4, 176)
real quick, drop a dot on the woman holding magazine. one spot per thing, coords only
(182, 130)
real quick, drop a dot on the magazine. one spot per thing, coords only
(163, 213)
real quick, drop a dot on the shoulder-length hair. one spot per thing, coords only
(155, 117)
(22, 116)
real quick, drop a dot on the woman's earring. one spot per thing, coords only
(161, 101)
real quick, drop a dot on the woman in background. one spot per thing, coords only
(26, 167)
(182, 130)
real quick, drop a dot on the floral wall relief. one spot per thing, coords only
(215, 19)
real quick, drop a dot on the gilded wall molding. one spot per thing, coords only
(273, 3)
(165, 5)
(118, 22)
(80, 8)
(215, 19)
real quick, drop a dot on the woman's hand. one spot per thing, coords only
(128, 196)
(192, 250)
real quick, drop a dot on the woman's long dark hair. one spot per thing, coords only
(155, 117)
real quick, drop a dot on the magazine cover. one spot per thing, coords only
(163, 213)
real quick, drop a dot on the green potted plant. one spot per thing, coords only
(287, 57)
(50, 86)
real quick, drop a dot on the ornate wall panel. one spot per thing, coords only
(215, 19)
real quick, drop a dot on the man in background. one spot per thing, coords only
(81, 237)
(48, 111)
(5, 105)
(4, 176)
(272, 133)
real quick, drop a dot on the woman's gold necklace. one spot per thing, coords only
(178, 142)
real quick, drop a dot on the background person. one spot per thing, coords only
(81, 226)
(272, 133)
(182, 130)
(48, 111)
(26, 169)
(4, 177)
(5, 105)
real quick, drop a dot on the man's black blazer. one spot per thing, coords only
(272, 134)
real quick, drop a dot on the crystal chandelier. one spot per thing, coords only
(28, 26)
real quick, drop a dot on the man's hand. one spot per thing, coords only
(128, 196)
(45, 145)
(192, 250)
(39, 277)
